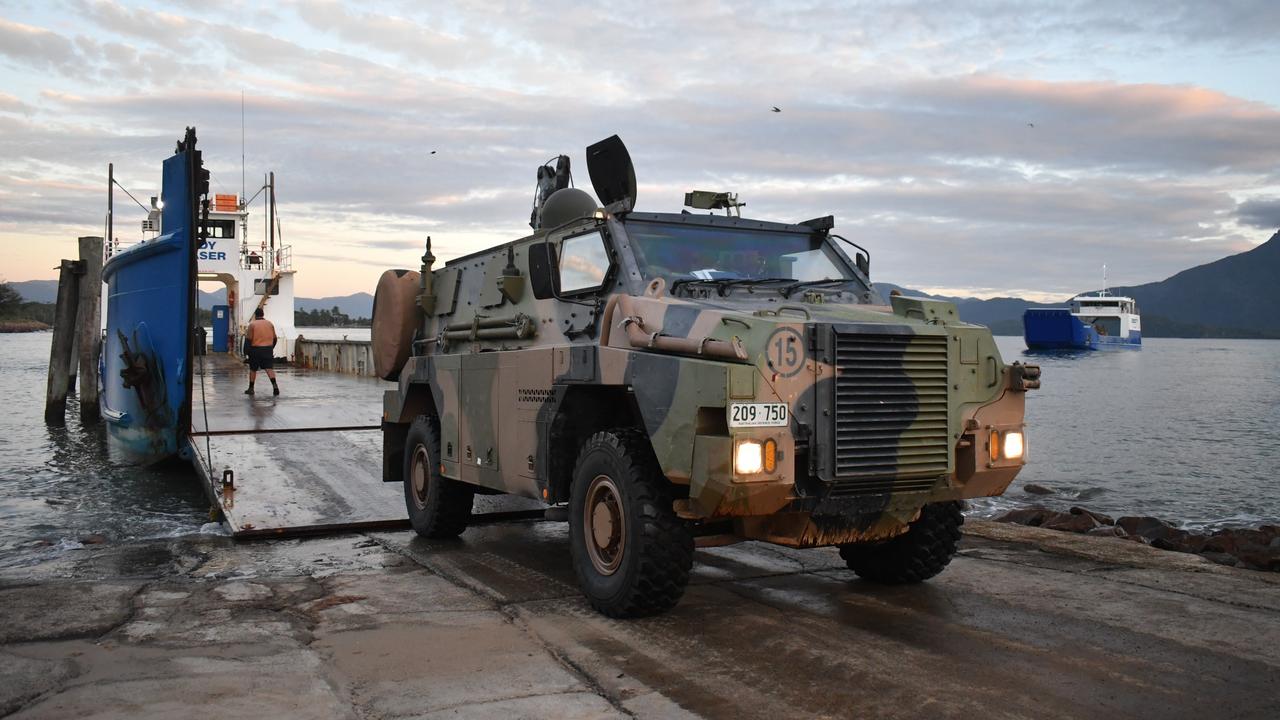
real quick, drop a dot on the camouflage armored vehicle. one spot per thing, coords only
(663, 376)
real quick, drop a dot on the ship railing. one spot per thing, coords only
(257, 259)
(119, 245)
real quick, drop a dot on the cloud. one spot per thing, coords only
(908, 122)
(11, 104)
(36, 47)
(1261, 213)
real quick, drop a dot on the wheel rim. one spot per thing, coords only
(421, 475)
(605, 525)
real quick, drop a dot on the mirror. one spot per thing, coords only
(542, 270)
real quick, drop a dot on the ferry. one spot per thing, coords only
(1090, 322)
(254, 274)
(151, 302)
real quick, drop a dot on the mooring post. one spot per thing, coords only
(64, 331)
(73, 366)
(89, 325)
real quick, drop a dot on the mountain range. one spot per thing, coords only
(357, 305)
(1236, 296)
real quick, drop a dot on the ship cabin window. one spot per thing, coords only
(1108, 304)
(221, 228)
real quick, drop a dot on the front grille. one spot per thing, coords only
(891, 431)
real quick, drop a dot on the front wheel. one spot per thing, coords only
(631, 553)
(438, 507)
(919, 554)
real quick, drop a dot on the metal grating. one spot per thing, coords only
(891, 431)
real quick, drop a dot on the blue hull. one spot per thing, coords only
(1058, 329)
(146, 354)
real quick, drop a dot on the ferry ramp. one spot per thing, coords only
(306, 461)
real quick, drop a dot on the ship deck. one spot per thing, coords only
(309, 460)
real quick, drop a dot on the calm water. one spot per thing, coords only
(57, 485)
(1188, 430)
(334, 333)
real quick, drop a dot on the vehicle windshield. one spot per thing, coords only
(692, 252)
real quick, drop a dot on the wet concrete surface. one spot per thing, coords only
(308, 398)
(294, 469)
(1026, 623)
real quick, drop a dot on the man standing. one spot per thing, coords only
(260, 337)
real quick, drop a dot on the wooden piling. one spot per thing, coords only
(89, 325)
(64, 331)
(73, 366)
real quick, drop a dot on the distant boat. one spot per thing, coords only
(1091, 322)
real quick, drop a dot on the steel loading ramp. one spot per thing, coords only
(307, 461)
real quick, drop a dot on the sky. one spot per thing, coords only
(983, 148)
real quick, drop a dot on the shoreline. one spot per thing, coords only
(1259, 541)
(1252, 548)
(23, 326)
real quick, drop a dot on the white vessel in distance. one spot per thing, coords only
(1089, 322)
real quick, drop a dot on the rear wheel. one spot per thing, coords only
(438, 507)
(631, 553)
(924, 551)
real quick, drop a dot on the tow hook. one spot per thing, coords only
(1024, 377)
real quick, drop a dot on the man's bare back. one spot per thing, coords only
(261, 333)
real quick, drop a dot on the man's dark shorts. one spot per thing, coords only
(261, 358)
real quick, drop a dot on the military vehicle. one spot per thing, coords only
(660, 377)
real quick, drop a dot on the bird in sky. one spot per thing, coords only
(433, 152)
(777, 109)
(1031, 124)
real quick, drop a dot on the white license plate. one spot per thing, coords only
(758, 415)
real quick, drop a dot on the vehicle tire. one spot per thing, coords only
(631, 553)
(924, 551)
(438, 507)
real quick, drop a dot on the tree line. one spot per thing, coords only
(328, 318)
(13, 309)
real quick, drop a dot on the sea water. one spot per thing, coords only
(1187, 430)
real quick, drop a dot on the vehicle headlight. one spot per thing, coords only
(748, 459)
(1012, 448)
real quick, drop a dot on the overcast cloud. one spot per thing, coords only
(989, 147)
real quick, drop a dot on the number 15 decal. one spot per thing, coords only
(784, 352)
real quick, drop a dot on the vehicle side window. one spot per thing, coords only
(584, 262)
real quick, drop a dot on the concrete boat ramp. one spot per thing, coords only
(1026, 623)
(307, 461)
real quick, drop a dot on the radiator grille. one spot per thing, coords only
(891, 431)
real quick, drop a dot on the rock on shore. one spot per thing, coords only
(1252, 548)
